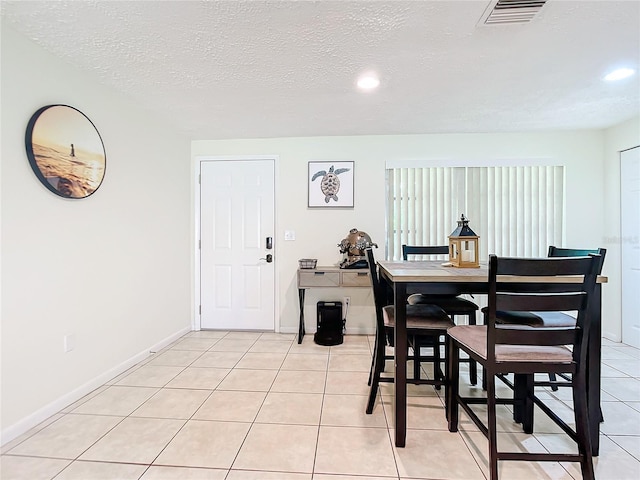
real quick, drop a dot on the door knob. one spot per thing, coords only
(269, 258)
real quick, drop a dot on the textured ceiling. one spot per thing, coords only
(249, 69)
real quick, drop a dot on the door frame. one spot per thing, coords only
(199, 159)
(623, 327)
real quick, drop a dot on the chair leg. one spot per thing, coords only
(446, 379)
(416, 359)
(484, 370)
(437, 371)
(484, 379)
(492, 435)
(373, 360)
(582, 426)
(378, 367)
(552, 377)
(452, 386)
(373, 391)
(473, 366)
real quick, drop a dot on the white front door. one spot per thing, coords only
(237, 290)
(630, 251)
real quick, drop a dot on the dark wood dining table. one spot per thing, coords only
(407, 277)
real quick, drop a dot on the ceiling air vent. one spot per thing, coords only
(513, 11)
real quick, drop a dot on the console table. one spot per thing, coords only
(323, 277)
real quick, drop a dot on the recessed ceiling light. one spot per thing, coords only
(368, 82)
(619, 74)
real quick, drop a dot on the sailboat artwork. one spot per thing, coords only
(65, 151)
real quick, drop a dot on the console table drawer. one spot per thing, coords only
(355, 279)
(319, 279)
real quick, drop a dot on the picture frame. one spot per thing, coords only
(330, 184)
(65, 151)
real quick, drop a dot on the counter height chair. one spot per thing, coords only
(524, 351)
(425, 325)
(450, 302)
(551, 319)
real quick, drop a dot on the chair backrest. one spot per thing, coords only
(578, 252)
(423, 250)
(377, 289)
(525, 284)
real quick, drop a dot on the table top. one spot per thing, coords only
(437, 271)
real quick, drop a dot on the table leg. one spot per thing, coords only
(301, 325)
(523, 406)
(594, 357)
(518, 394)
(400, 356)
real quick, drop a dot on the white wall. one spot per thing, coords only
(115, 270)
(319, 231)
(112, 269)
(618, 138)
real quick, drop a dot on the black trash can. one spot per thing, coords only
(330, 330)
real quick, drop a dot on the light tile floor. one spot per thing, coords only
(245, 406)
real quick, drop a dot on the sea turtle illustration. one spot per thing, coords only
(330, 184)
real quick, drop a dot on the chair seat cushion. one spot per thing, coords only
(448, 303)
(535, 319)
(474, 338)
(428, 317)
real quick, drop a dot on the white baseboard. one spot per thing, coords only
(289, 330)
(360, 330)
(612, 336)
(14, 431)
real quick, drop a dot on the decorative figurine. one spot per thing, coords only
(354, 246)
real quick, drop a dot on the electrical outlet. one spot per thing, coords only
(69, 343)
(346, 301)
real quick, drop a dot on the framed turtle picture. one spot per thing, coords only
(65, 151)
(330, 184)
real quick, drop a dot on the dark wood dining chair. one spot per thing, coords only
(425, 325)
(524, 351)
(551, 319)
(453, 304)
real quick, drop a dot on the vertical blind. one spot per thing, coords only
(516, 210)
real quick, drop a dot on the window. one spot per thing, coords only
(516, 210)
